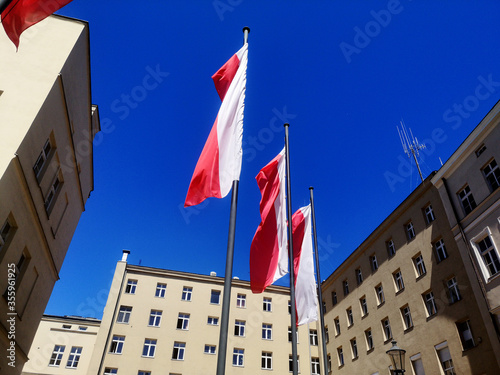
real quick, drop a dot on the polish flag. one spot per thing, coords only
(220, 161)
(268, 251)
(306, 299)
(21, 14)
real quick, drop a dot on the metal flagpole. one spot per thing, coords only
(226, 297)
(4, 4)
(318, 277)
(290, 255)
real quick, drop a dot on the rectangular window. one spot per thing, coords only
(363, 305)
(345, 286)
(453, 291)
(354, 349)
(267, 331)
(155, 318)
(149, 348)
(124, 314)
(410, 231)
(350, 319)
(359, 276)
(267, 304)
(417, 365)
(430, 303)
(491, 173)
(54, 190)
(267, 361)
(290, 334)
(334, 298)
(379, 291)
(241, 301)
(466, 200)
(386, 326)
(369, 339)
(179, 351)
(480, 150)
(391, 248)
(327, 335)
(374, 262)
(398, 280)
(215, 297)
(117, 344)
(160, 290)
(42, 158)
(465, 335)
(419, 264)
(313, 337)
(445, 358)
(213, 321)
(406, 315)
(142, 372)
(289, 307)
(315, 366)
(441, 253)
(131, 286)
(336, 322)
(186, 293)
(74, 357)
(183, 321)
(329, 362)
(489, 255)
(57, 353)
(238, 357)
(5, 231)
(239, 328)
(340, 355)
(429, 214)
(290, 364)
(209, 349)
(110, 371)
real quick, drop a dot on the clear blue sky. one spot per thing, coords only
(342, 73)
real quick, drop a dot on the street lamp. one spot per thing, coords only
(397, 356)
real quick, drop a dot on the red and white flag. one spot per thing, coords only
(268, 251)
(21, 14)
(306, 300)
(220, 161)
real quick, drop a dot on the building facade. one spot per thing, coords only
(47, 127)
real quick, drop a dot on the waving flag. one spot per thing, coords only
(220, 161)
(306, 300)
(21, 14)
(268, 251)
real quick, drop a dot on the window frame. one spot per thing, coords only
(391, 248)
(386, 328)
(267, 331)
(354, 348)
(131, 286)
(430, 303)
(117, 344)
(239, 328)
(187, 293)
(267, 360)
(410, 231)
(369, 339)
(161, 289)
(494, 182)
(419, 264)
(74, 357)
(267, 304)
(57, 355)
(183, 321)
(373, 262)
(406, 316)
(313, 337)
(453, 290)
(124, 314)
(149, 348)
(429, 214)
(241, 301)
(155, 318)
(466, 199)
(398, 281)
(364, 306)
(179, 351)
(238, 357)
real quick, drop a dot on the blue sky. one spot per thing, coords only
(342, 73)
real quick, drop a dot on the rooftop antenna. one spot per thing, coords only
(410, 145)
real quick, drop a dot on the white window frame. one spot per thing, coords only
(430, 303)
(466, 335)
(187, 293)
(354, 348)
(386, 327)
(183, 321)
(406, 315)
(359, 276)
(238, 357)
(124, 314)
(215, 297)
(453, 290)
(213, 321)
(391, 248)
(267, 361)
(446, 364)
(364, 306)
(210, 349)
(74, 357)
(313, 337)
(440, 249)
(466, 200)
(52, 193)
(494, 172)
(179, 351)
(42, 158)
(267, 331)
(267, 304)
(379, 292)
(350, 318)
(155, 318)
(315, 367)
(340, 356)
(429, 214)
(57, 354)
(419, 264)
(241, 301)
(398, 281)
(410, 231)
(149, 348)
(110, 371)
(161, 289)
(131, 286)
(486, 232)
(345, 287)
(334, 298)
(117, 344)
(369, 339)
(374, 262)
(336, 323)
(239, 328)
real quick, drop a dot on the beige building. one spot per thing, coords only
(47, 125)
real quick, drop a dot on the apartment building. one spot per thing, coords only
(47, 127)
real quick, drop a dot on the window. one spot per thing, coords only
(391, 249)
(329, 362)
(350, 319)
(149, 348)
(54, 190)
(489, 255)
(131, 286)
(160, 290)
(340, 355)
(155, 318)
(42, 158)
(492, 175)
(453, 291)
(480, 150)
(117, 344)
(241, 301)
(213, 321)
(267, 361)
(290, 334)
(313, 337)
(215, 297)
(406, 314)
(336, 322)
(178, 352)
(74, 357)
(327, 335)
(430, 303)
(345, 286)
(417, 365)
(4, 232)
(359, 276)
(186, 293)
(410, 231)
(142, 372)
(386, 326)
(238, 357)
(465, 335)
(183, 321)
(398, 280)
(354, 349)
(419, 264)
(315, 366)
(429, 214)
(124, 314)
(239, 328)
(379, 291)
(110, 371)
(290, 364)
(267, 331)
(57, 353)
(209, 349)
(441, 253)
(363, 305)
(289, 307)
(369, 339)
(466, 200)
(374, 262)
(82, 328)
(445, 358)
(267, 304)
(334, 298)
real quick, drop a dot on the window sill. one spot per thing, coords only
(370, 350)
(407, 330)
(364, 316)
(380, 304)
(431, 317)
(420, 277)
(400, 291)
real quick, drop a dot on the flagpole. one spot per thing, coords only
(4, 4)
(318, 276)
(290, 255)
(226, 296)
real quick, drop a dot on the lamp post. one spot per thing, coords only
(397, 356)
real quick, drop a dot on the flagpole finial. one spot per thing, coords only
(286, 124)
(246, 31)
(311, 188)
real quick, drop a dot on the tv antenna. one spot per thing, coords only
(410, 145)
